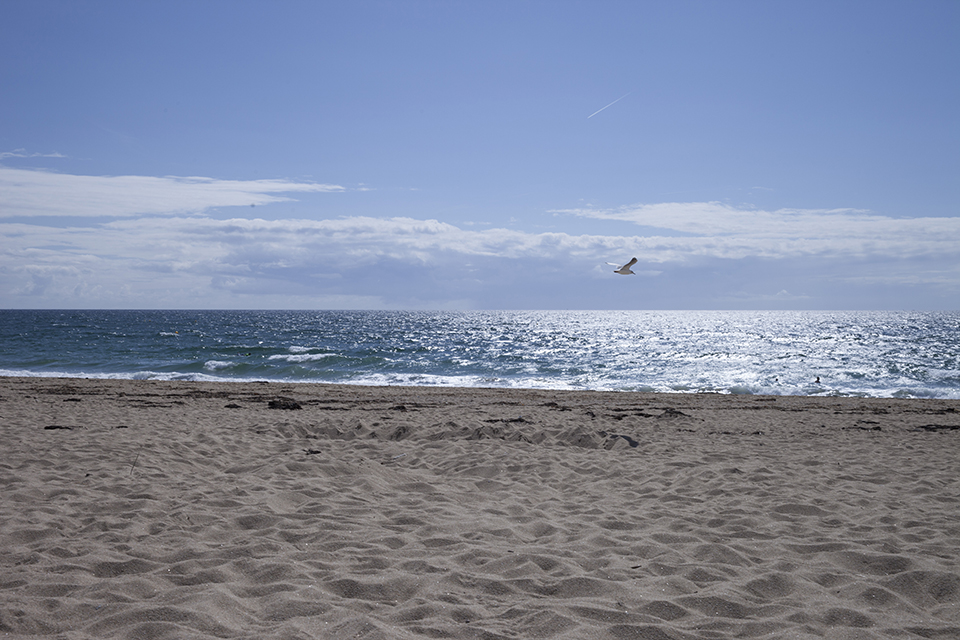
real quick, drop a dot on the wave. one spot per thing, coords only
(777, 353)
(216, 365)
(478, 381)
(303, 357)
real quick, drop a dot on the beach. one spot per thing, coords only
(154, 509)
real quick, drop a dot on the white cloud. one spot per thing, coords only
(348, 242)
(41, 193)
(22, 153)
(718, 230)
(246, 247)
(159, 250)
(201, 258)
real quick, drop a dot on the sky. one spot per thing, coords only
(480, 155)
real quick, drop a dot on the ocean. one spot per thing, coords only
(842, 353)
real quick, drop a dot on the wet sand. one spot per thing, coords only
(143, 509)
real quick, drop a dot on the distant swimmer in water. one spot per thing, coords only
(817, 381)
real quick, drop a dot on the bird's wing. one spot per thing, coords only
(631, 263)
(613, 264)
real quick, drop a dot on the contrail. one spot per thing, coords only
(609, 105)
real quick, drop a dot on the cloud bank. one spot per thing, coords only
(719, 230)
(160, 250)
(27, 193)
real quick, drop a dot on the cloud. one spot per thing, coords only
(346, 243)
(27, 193)
(721, 231)
(22, 153)
(247, 247)
(157, 249)
(181, 257)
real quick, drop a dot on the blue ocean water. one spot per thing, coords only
(878, 354)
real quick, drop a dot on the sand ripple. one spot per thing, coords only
(442, 513)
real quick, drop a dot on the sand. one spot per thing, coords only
(144, 509)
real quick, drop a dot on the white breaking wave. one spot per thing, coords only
(300, 349)
(216, 365)
(305, 357)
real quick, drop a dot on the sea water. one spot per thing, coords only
(879, 354)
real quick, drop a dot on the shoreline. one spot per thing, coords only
(453, 388)
(171, 509)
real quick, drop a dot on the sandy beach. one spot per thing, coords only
(144, 509)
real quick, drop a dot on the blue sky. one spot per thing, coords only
(459, 155)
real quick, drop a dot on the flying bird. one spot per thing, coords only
(624, 270)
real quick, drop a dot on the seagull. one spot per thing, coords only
(624, 270)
